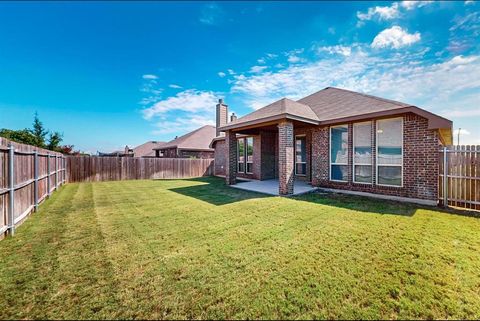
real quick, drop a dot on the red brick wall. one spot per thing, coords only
(195, 154)
(285, 158)
(420, 161)
(220, 157)
(172, 153)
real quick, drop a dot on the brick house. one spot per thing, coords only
(194, 144)
(336, 139)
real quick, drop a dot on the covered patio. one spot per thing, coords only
(275, 149)
(271, 186)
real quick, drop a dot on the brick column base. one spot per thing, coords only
(286, 175)
(231, 158)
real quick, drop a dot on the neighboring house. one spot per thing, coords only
(144, 150)
(147, 149)
(192, 145)
(336, 139)
(126, 152)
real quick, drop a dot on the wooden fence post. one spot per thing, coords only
(56, 171)
(48, 174)
(445, 177)
(11, 186)
(35, 177)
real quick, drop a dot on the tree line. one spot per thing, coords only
(39, 136)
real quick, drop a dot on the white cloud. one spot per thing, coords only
(468, 2)
(383, 13)
(410, 5)
(150, 77)
(294, 59)
(337, 49)
(174, 86)
(221, 74)
(395, 37)
(191, 100)
(463, 113)
(211, 14)
(183, 124)
(257, 69)
(231, 72)
(261, 61)
(403, 76)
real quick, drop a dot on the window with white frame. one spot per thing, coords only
(249, 153)
(300, 155)
(241, 155)
(390, 152)
(362, 153)
(339, 153)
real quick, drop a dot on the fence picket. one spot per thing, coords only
(463, 176)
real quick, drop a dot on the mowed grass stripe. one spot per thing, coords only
(198, 249)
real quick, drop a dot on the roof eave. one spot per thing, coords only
(263, 120)
(434, 121)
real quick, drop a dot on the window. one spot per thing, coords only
(362, 153)
(390, 152)
(339, 153)
(300, 156)
(241, 155)
(249, 141)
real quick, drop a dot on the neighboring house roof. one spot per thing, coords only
(198, 139)
(147, 149)
(333, 105)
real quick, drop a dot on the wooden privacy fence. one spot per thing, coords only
(459, 179)
(28, 175)
(95, 169)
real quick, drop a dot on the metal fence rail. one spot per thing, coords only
(28, 175)
(459, 176)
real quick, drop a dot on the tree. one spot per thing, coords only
(23, 136)
(54, 140)
(39, 132)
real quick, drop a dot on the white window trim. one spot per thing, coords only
(330, 154)
(295, 165)
(246, 155)
(353, 152)
(376, 154)
(238, 155)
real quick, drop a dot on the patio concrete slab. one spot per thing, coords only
(271, 187)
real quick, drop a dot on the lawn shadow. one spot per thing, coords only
(360, 203)
(375, 205)
(214, 191)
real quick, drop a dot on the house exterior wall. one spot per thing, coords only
(220, 158)
(195, 154)
(174, 153)
(420, 161)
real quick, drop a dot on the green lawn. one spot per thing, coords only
(199, 249)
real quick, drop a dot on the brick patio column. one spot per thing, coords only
(231, 157)
(285, 158)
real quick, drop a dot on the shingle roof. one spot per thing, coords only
(147, 149)
(198, 139)
(281, 107)
(333, 103)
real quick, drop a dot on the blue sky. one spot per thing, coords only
(108, 74)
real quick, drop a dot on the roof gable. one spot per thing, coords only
(199, 139)
(281, 108)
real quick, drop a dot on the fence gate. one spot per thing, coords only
(459, 179)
